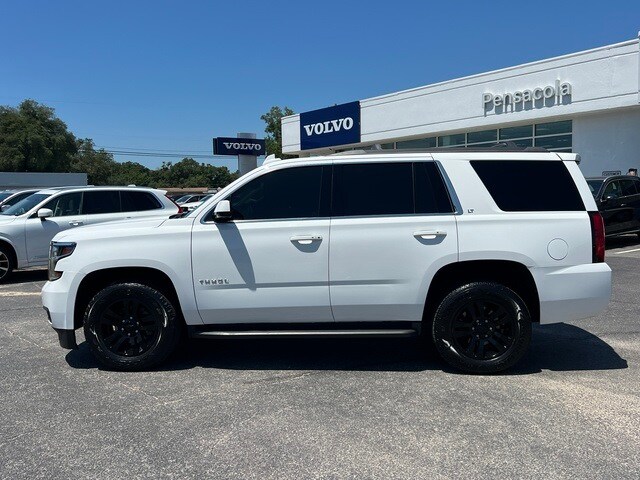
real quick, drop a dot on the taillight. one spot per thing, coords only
(597, 236)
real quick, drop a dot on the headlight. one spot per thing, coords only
(58, 251)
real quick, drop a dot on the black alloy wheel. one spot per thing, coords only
(131, 326)
(482, 327)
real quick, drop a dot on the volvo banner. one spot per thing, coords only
(238, 146)
(331, 126)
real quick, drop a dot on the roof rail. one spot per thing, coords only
(498, 147)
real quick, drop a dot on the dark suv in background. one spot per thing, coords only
(618, 200)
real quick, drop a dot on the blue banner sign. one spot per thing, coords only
(331, 126)
(238, 146)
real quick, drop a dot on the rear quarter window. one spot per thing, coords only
(138, 201)
(529, 186)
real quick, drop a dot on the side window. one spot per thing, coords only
(612, 190)
(290, 193)
(628, 188)
(529, 185)
(107, 201)
(431, 195)
(138, 201)
(65, 205)
(373, 189)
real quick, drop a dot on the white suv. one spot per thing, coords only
(461, 246)
(27, 227)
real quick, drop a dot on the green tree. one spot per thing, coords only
(273, 129)
(99, 165)
(33, 139)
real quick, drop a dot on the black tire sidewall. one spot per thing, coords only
(444, 316)
(169, 334)
(12, 266)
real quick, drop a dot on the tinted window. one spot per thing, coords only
(516, 132)
(628, 187)
(290, 193)
(529, 186)
(419, 143)
(612, 190)
(373, 189)
(430, 192)
(65, 205)
(101, 202)
(594, 186)
(138, 201)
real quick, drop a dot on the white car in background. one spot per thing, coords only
(189, 206)
(190, 198)
(26, 228)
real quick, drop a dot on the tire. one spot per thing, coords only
(6, 264)
(482, 327)
(144, 339)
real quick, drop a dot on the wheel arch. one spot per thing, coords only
(511, 274)
(98, 279)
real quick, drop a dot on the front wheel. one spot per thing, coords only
(130, 326)
(482, 327)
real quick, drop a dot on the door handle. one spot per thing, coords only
(306, 239)
(75, 223)
(429, 234)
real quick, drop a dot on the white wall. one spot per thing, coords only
(11, 180)
(607, 141)
(602, 79)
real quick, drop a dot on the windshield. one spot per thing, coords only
(182, 199)
(23, 206)
(594, 186)
(5, 195)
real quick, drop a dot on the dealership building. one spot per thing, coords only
(586, 102)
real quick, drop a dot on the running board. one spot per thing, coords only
(350, 333)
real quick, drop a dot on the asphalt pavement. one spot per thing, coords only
(251, 409)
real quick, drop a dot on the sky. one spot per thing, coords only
(169, 76)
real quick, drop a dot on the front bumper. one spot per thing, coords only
(67, 339)
(58, 300)
(572, 293)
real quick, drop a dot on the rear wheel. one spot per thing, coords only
(6, 264)
(131, 326)
(482, 327)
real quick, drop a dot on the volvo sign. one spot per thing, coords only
(238, 146)
(331, 126)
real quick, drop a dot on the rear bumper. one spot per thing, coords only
(572, 293)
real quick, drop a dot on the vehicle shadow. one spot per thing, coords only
(24, 276)
(558, 347)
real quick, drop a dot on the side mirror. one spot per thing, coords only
(5, 207)
(608, 197)
(222, 212)
(44, 213)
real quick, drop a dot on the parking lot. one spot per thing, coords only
(325, 408)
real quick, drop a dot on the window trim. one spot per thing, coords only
(456, 206)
